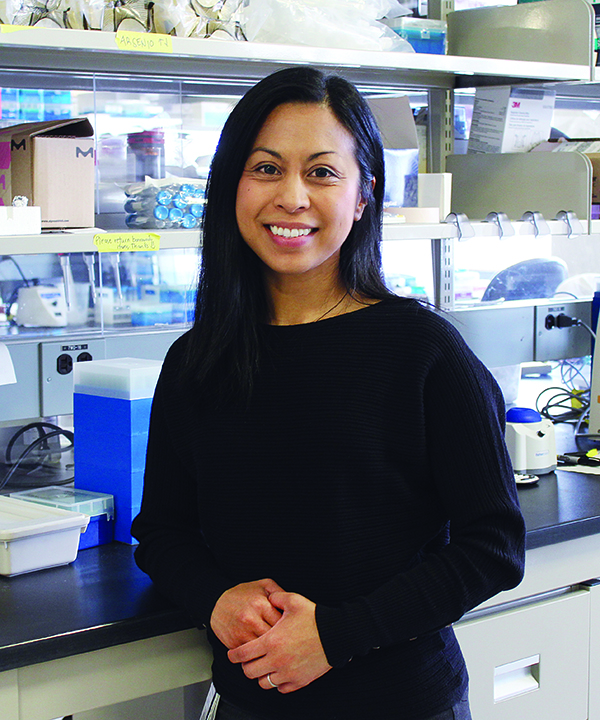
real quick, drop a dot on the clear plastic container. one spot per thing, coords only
(34, 536)
(99, 506)
(425, 35)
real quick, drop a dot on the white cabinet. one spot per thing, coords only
(530, 663)
(533, 652)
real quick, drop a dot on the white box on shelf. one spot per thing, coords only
(20, 220)
(33, 537)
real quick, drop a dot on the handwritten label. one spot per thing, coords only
(143, 42)
(127, 242)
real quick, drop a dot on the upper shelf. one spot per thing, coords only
(499, 60)
(552, 31)
(83, 240)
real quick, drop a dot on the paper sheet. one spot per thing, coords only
(7, 371)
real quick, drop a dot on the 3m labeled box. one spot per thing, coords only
(52, 164)
(510, 119)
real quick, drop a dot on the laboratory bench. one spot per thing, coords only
(96, 632)
(91, 634)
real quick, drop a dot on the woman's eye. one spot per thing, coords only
(323, 172)
(267, 169)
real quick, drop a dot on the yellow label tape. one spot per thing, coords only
(143, 42)
(127, 242)
(14, 28)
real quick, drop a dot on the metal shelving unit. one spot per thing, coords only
(242, 63)
(529, 45)
(83, 240)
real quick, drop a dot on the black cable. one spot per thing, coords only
(559, 401)
(43, 437)
(3, 258)
(39, 426)
(25, 453)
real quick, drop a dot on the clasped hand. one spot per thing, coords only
(271, 633)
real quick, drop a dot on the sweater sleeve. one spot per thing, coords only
(171, 549)
(463, 413)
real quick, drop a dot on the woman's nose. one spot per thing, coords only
(292, 194)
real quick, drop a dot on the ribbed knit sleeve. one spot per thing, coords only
(171, 549)
(470, 472)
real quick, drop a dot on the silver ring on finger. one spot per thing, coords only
(271, 683)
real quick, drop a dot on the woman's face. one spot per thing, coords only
(299, 192)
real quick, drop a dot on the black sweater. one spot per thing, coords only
(369, 474)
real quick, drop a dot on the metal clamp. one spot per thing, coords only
(540, 226)
(464, 229)
(505, 227)
(574, 226)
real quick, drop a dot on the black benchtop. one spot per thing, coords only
(100, 600)
(562, 506)
(103, 599)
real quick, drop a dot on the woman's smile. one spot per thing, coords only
(286, 236)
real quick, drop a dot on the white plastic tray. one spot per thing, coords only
(34, 536)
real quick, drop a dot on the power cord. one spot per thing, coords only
(561, 406)
(6, 258)
(41, 440)
(565, 321)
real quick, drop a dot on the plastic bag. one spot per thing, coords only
(197, 18)
(350, 24)
(86, 14)
(164, 203)
(6, 12)
(42, 13)
(127, 15)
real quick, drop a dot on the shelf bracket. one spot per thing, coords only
(501, 220)
(540, 226)
(574, 227)
(464, 229)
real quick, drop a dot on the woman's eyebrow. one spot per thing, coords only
(274, 153)
(277, 155)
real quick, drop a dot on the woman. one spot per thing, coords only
(327, 487)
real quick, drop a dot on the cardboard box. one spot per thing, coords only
(510, 119)
(399, 133)
(590, 147)
(52, 164)
(5, 171)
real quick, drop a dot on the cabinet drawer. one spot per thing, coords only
(531, 662)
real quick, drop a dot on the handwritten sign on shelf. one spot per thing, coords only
(143, 42)
(127, 242)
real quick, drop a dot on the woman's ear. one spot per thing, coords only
(363, 202)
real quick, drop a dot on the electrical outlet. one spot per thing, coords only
(556, 343)
(56, 364)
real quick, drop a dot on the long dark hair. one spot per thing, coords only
(232, 302)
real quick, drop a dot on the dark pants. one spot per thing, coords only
(461, 711)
